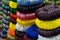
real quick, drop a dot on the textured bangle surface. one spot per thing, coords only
(13, 4)
(48, 25)
(26, 22)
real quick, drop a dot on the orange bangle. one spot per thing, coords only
(11, 32)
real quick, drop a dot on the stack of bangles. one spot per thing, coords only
(49, 24)
(29, 6)
(49, 2)
(27, 19)
(13, 6)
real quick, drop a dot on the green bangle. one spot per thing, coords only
(13, 10)
(49, 2)
(14, 0)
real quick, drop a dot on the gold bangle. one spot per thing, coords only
(13, 4)
(48, 25)
(26, 22)
(12, 26)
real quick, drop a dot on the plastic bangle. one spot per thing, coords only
(13, 10)
(48, 25)
(49, 2)
(14, 0)
(29, 9)
(7, 18)
(27, 16)
(13, 16)
(12, 26)
(13, 4)
(49, 33)
(32, 32)
(26, 22)
(46, 13)
(19, 33)
(11, 32)
(10, 37)
(6, 7)
(29, 3)
(6, 22)
(21, 28)
(6, 12)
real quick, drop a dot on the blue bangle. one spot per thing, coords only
(32, 32)
(29, 3)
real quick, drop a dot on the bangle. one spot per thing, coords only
(19, 33)
(49, 2)
(12, 26)
(13, 10)
(5, 22)
(6, 7)
(26, 22)
(29, 3)
(32, 32)
(27, 16)
(13, 4)
(29, 8)
(48, 25)
(11, 32)
(21, 28)
(13, 16)
(49, 33)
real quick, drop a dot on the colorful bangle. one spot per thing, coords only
(13, 10)
(6, 7)
(26, 22)
(49, 2)
(19, 34)
(29, 3)
(11, 32)
(12, 26)
(29, 9)
(13, 4)
(48, 25)
(13, 16)
(21, 28)
(27, 16)
(32, 32)
(5, 22)
(14, 0)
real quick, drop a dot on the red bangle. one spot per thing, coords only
(13, 16)
(27, 16)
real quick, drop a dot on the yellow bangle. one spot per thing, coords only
(13, 4)
(48, 25)
(26, 22)
(12, 26)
